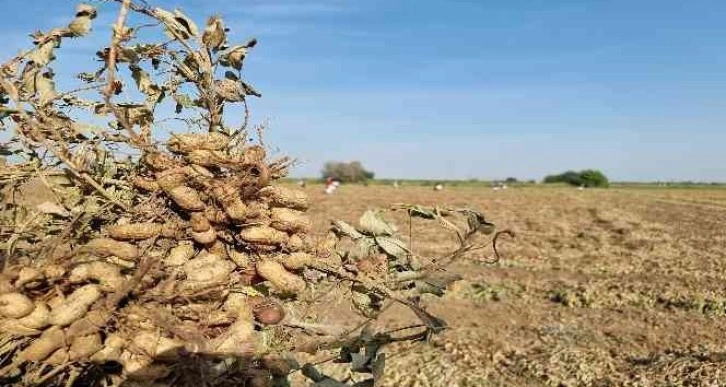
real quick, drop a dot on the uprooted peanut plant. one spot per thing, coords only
(167, 255)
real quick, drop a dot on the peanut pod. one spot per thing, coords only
(107, 247)
(75, 306)
(279, 277)
(263, 235)
(285, 197)
(285, 219)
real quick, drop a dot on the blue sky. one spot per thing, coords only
(473, 89)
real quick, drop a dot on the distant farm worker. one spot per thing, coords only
(330, 185)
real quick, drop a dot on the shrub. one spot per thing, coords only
(587, 178)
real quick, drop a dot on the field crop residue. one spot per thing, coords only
(600, 287)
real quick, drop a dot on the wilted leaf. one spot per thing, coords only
(320, 380)
(229, 90)
(442, 278)
(329, 383)
(362, 248)
(345, 229)
(364, 304)
(366, 383)
(359, 362)
(136, 114)
(52, 209)
(477, 223)
(247, 89)
(87, 77)
(215, 34)
(177, 24)
(378, 366)
(127, 55)
(145, 85)
(233, 57)
(86, 10)
(189, 28)
(45, 87)
(422, 212)
(393, 246)
(80, 26)
(43, 55)
(371, 223)
(424, 287)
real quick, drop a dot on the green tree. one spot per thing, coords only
(350, 172)
(587, 178)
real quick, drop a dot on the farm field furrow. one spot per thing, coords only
(600, 287)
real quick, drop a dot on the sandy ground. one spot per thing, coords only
(600, 287)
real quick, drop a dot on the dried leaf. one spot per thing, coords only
(359, 362)
(233, 57)
(45, 87)
(364, 304)
(145, 85)
(378, 366)
(80, 26)
(136, 114)
(371, 223)
(44, 54)
(247, 89)
(86, 10)
(177, 24)
(363, 248)
(189, 28)
(214, 36)
(424, 287)
(422, 212)
(52, 209)
(344, 229)
(393, 246)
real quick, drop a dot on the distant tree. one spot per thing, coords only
(587, 178)
(511, 180)
(351, 172)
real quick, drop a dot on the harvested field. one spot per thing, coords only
(600, 287)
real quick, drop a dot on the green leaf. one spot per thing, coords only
(371, 223)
